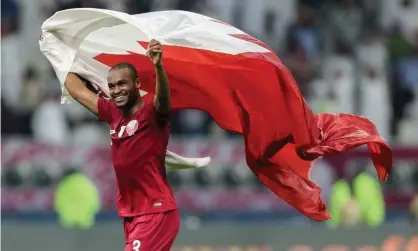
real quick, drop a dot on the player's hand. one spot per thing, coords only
(155, 52)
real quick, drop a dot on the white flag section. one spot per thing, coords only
(72, 38)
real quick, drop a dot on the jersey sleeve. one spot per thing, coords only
(104, 108)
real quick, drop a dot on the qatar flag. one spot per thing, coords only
(217, 68)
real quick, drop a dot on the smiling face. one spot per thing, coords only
(123, 87)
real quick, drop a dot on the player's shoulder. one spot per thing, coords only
(149, 113)
(108, 107)
(149, 104)
(110, 104)
(147, 109)
(106, 101)
(158, 119)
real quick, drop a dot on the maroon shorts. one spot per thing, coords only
(151, 232)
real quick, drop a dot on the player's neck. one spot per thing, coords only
(133, 109)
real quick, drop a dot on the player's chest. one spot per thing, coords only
(126, 129)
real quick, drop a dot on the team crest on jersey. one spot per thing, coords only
(131, 127)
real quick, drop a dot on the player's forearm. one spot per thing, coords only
(74, 85)
(77, 89)
(162, 91)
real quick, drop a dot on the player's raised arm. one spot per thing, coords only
(78, 90)
(162, 88)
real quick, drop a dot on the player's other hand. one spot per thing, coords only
(155, 52)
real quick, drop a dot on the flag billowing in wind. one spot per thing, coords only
(215, 67)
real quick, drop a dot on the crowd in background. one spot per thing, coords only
(347, 56)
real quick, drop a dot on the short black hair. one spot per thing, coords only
(130, 67)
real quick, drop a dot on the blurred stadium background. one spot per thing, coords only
(347, 56)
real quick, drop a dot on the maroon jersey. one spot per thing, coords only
(139, 146)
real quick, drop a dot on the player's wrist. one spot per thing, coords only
(159, 67)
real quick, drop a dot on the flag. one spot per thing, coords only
(215, 67)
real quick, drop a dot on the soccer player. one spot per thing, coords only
(139, 133)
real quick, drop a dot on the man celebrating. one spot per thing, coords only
(231, 75)
(139, 132)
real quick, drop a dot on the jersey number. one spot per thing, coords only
(122, 130)
(136, 245)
